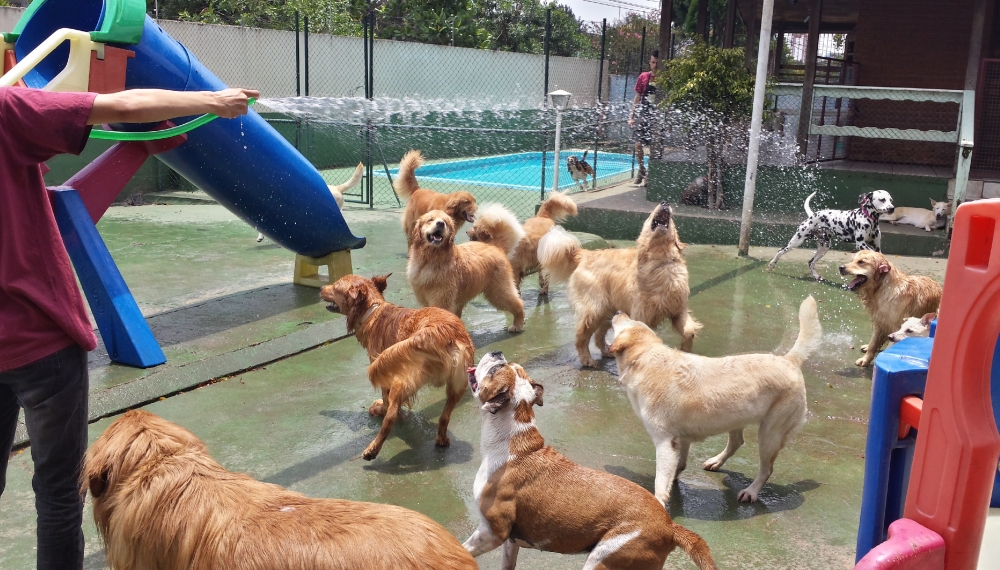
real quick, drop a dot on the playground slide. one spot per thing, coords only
(242, 163)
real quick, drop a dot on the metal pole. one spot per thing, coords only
(555, 160)
(371, 56)
(753, 152)
(298, 62)
(545, 94)
(642, 57)
(370, 48)
(306, 26)
(600, 83)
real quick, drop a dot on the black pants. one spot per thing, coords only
(53, 393)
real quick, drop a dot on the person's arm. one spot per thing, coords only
(155, 105)
(631, 115)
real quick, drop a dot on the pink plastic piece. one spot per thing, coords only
(910, 546)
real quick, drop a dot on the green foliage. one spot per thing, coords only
(325, 16)
(708, 80)
(625, 42)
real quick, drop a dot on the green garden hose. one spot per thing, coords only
(156, 135)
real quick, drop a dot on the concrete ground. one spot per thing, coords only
(274, 386)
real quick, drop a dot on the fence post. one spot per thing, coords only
(369, 48)
(298, 62)
(642, 57)
(600, 83)
(305, 22)
(545, 98)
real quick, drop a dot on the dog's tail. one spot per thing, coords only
(405, 183)
(502, 225)
(559, 253)
(557, 207)
(809, 211)
(584, 159)
(339, 189)
(695, 547)
(810, 332)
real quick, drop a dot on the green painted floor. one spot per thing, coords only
(283, 394)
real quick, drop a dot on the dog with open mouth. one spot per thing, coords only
(889, 295)
(460, 206)
(649, 282)
(529, 495)
(448, 276)
(408, 349)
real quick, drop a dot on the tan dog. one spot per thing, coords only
(683, 398)
(460, 206)
(161, 501)
(649, 282)
(936, 217)
(889, 295)
(913, 327)
(530, 495)
(407, 348)
(446, 275)
(338, 191)
(524, 259)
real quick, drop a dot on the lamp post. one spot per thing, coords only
(558, 99)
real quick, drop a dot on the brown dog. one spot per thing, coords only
(446, 275)
(490, 228)
(161, 501)
(889, 295)
(460, 206)
(579, 169)
(649, 282)
(407, 348)
(530, 495)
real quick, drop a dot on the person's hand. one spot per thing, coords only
(233, 102)
(631, 122)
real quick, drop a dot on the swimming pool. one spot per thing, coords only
(521, 171)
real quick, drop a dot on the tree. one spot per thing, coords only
(709, 92)
(519, 26)
(325, 16)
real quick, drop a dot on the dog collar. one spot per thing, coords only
(368, 313)
(866, 212)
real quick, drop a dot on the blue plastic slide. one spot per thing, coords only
(242, 163)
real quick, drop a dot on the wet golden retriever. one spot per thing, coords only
(889, 295)
(684, 398)
(489, 228)
(407, 348)
(446, 275)
(161, 501)
(649, 282)
(460, 206)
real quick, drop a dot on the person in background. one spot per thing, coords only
(644, 109)
(45, 333)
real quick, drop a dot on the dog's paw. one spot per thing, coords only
(515, 329)
(746, 496)
(712, 464)
(770, 266)
(260, 239)
(377, 409)
(370, 453)
(588, 362)
(442, 441)
(864, 348)
(863, 361)
(817, 276)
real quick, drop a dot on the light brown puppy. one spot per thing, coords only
(683, 398)
(407, 348)
(161, 501)
(649, 282)
(530, 495)
(889, 295)
(446, 275)
(460, 206)
(524, 259)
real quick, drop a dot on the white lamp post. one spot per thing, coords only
(558, 99)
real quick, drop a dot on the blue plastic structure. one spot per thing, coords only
(243, 163)
(123, 328)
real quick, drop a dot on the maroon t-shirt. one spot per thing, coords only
(41, 308)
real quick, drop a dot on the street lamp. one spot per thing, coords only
(558, 99)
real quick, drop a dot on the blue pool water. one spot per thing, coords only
(521, 171)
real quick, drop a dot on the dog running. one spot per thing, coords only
(579, 169)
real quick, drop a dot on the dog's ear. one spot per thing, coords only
(98, 483)
(497, 403)
(881, 271)
(926, 319)
(539, 392)
(866, 197)
(381, 282)
(618, 345)
(933, 202)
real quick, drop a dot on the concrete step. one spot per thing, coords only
(172, 198)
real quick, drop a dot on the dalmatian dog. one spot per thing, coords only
(858, 226)
(579, 169)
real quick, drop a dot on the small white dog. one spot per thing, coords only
(338, 191)
(914, 327)
(935, 218)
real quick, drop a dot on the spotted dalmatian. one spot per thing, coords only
(858, 226)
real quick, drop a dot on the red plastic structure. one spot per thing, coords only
(910, 546)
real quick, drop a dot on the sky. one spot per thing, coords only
(588, 10)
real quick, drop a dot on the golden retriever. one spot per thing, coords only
(649, 282)
(683, 398)
(524, 259)
(460, 206)
(889, 295)
(407, 348)
(161, 501)
(446, 275)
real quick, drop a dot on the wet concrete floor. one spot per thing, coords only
(270, 381)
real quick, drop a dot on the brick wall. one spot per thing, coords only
(910, 43)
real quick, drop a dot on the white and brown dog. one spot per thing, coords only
(529, 495)
(579, 169)
(338, 190)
